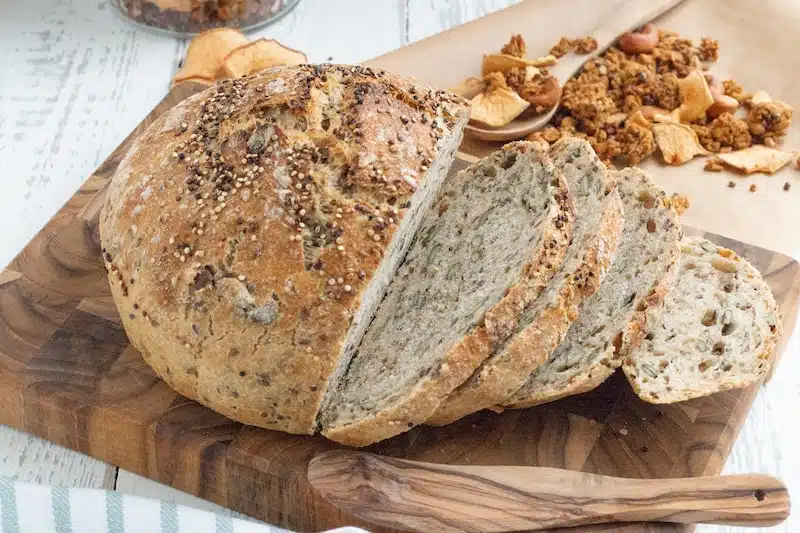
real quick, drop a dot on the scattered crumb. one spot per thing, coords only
(714, 165)
(585, 45)
(787, 186)
(561, 48)
(709, 49)
(679, 202)
(731, 184)
(644, 449)
(733, 89)
(516, 47)
(623, 432)
(753, 187)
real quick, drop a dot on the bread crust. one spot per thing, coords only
(242, 301)
(466, 355)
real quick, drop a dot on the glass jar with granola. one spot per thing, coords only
(188, 17)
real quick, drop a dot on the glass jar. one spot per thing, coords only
(187, 17)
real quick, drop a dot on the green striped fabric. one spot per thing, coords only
(29, 508)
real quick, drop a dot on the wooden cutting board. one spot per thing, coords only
(70, 376)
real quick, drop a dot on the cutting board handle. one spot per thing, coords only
(491, 499)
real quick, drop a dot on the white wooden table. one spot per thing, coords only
(76, 78)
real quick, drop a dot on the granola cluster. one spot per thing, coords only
(581, 45)
(619, 96)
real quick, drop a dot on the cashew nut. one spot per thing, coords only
(722, 103)
(546, 95)
(639, 42)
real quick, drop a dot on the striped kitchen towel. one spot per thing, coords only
(29, 508)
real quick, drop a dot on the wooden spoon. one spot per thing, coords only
(426, 497)
(612, 21)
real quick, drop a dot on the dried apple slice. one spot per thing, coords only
(757, 158)
(206, 53)
(499, 105)
(678, 142)
(260, 55)
(195, 79)
(696, 97)
(469, 88)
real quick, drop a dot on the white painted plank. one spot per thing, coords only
(429, 17)
(345, 31)
(76, 79)
(27, 458)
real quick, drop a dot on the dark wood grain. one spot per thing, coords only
(481, 499)
(68, 375)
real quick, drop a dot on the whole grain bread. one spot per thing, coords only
(250, 232)
(615, 319)
(493, 240)
(598, 223)
(719, 329)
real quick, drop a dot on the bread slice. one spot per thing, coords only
(599, 221)
(614, 320)
(495, 236)
(719, 329)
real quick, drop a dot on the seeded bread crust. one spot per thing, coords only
(719, 329)
(416, 405)
(644, 268)
(542, 325)
(244, 229)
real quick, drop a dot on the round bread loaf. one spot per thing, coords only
(250, 232)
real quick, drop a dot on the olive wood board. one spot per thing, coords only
(70, 376)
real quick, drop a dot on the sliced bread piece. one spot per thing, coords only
(614, 320)
(598, 224)
(496, 234)
(719, 329)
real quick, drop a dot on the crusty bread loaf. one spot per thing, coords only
(719, 329)
(251, 231)
(598, 224)
(495, 236)
(614, 320)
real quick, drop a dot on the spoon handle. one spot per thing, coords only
(418, 496)
(612, 21)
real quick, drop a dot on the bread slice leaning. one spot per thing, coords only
(599, 222)
(719, 330)
(615, 319)
(493, 239)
